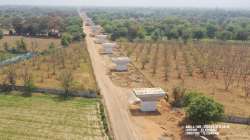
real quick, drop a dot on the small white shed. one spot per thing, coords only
(149, 97)
(100, 39)
(121, 63)
(108, 47)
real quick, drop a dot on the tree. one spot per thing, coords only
(156, 35)
(199, 33)
(66, 40)
(186, 34)
(155, 59)
(144, 61)
(242, 35)
(225, 35)
(173, 33)
(1, 34)
(203, 110)
(51, 47)
(29, 86)
(11, 76)
(178, 93)
(17, 25)
(66, 79)
(6, 46)
(28, 82)
(211, 30)
(21, 46)
(229, 68)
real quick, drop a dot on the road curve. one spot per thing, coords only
(116, 98)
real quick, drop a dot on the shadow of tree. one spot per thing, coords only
(62, 98)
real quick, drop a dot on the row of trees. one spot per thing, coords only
(48, 26)
(186, 24)
(53, 23)
(226, 62)
(56, 64)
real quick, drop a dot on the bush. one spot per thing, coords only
(188, 97)
(66, 40)
(203, 110)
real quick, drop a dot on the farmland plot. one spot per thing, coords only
(45, 69)
(47, 117)
(218, 69)
(198, 67)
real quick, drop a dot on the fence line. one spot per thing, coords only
(236, 119)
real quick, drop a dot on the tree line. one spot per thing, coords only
(184, 24)
(49, 22)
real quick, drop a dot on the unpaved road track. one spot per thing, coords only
(116, 98)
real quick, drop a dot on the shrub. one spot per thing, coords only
(66, 39)
(189, 96)
(203, 110)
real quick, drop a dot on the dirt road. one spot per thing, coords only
(116, 98)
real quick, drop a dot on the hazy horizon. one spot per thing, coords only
(136, 3)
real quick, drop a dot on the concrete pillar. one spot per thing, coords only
(148, 106)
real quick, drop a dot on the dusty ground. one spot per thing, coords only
(129, 79)
(235, 132)
(114, 97)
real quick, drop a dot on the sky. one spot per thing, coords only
(144, 3)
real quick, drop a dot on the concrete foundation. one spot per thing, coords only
(108, 47)
(100, 39)
(121, 63)
(148, 106)
(149, 98)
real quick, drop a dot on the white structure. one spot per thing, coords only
(100, 39)
(121, 63)
(88, 22)
(108, 47)
(96, 29)
(149, 97)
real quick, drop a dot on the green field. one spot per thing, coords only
(47, 117)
